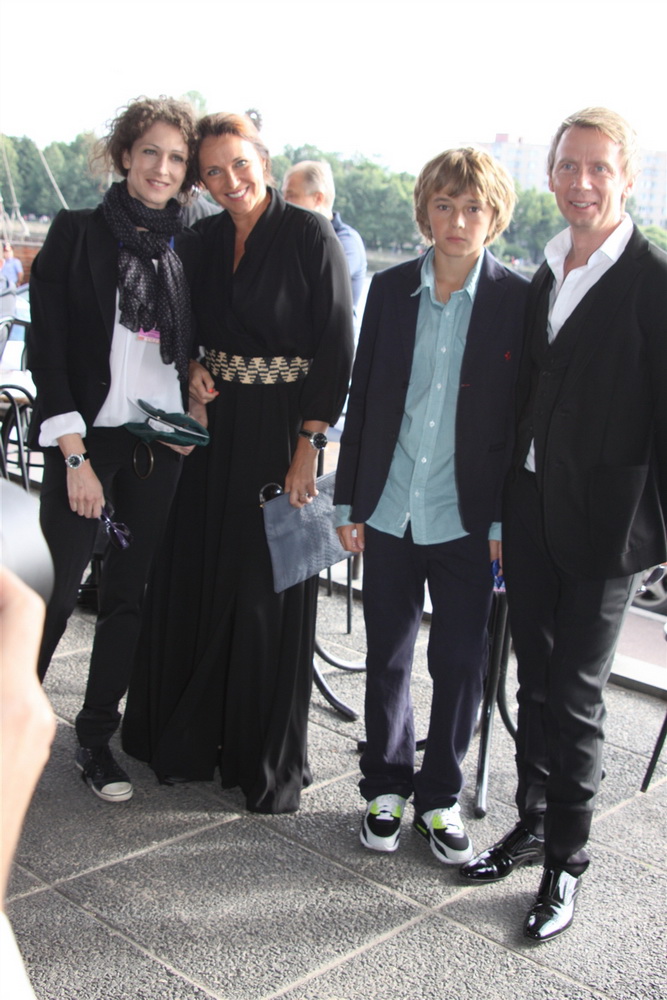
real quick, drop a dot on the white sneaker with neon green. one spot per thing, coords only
(443, 828)
(381, 825)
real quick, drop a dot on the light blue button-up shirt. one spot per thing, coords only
(421, 485)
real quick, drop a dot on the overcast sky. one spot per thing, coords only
(395, 81)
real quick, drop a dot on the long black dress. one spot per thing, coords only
(224, 667)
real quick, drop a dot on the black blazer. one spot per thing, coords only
(484, 416)
(73, 284)
(602, 455)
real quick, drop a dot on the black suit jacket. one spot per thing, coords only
(601, 455)
(484, 417)
(73, 285)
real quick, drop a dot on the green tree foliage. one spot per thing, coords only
(198, 102)
(378, 204)
(535, 221)
(69, 164)
(294, 154)
(279, 166)
(656, 235)
(369, 197)
(30, 181)
(8, 158)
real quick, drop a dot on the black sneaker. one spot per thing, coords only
(106, 778)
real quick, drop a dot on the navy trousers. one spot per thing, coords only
(143, 505)
(460, 582)
(565, 631)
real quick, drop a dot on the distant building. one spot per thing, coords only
(527, 163)
(650, 191)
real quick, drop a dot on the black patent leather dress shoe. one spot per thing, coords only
(553, 911)
(516, 848)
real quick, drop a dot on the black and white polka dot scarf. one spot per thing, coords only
(150, 299)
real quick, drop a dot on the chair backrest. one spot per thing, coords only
(5, 329)
(17, 404)
(8, 301)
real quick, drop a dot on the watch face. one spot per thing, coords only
(74, 461)
(319, 440)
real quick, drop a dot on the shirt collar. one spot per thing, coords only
(559, 247)
(428, 277)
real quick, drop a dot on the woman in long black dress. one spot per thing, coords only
(223, 675)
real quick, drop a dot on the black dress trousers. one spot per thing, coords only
(565, 631)
(140, 503)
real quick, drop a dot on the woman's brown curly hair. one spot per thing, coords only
(135, 120)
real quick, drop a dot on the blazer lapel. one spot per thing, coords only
(605, 298)
(537, 313)
(103, 260)
(483, 328)
(406, 305)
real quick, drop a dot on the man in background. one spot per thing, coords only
(310, 184)
(13, 268)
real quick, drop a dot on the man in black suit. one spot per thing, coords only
(426, 447)
(586, 499)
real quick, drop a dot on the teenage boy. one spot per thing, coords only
(426, 446)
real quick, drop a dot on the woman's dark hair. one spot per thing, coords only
(135, 120)
(243, 126)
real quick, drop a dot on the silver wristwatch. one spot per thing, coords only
(76, 461)
(317, 439)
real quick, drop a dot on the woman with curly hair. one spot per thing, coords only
(111, 324)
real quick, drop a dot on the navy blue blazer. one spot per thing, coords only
(485, 408)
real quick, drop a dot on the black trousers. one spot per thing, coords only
(143, 505)
(460, 586)
(565, 631)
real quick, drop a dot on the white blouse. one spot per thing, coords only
(137, 372)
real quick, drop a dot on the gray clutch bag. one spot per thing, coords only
(302, 540)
